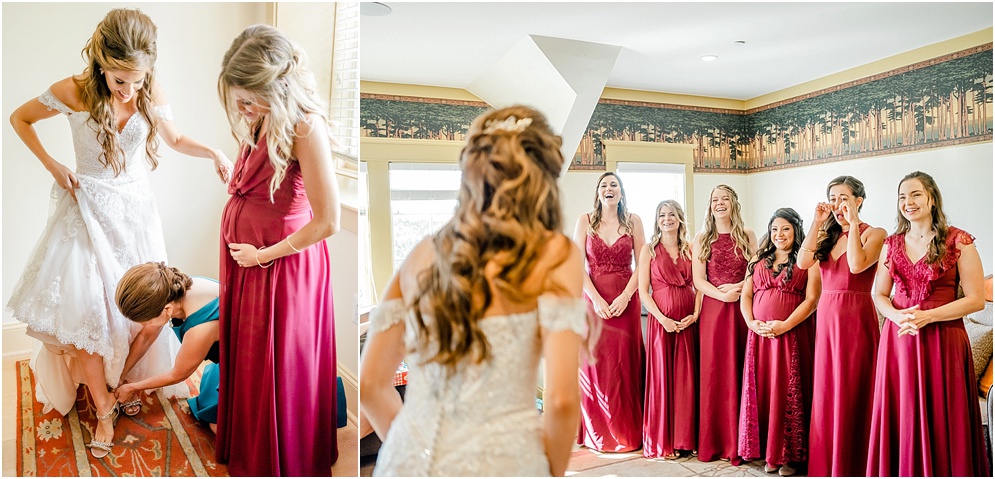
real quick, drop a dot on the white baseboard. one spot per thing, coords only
(351, 385)
(16, 341)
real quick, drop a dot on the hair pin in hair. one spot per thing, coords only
(508, 124)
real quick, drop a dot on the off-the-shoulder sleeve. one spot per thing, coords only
(53, 103)
(557, 313)
(163, 112)
(387, 314)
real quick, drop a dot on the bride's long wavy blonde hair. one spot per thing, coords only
(124, 40)
(265, 62)
(508, 204)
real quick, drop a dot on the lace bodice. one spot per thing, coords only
(726, 265)
(602, 258)
(920, 281)
(479, 419)
(88, 149)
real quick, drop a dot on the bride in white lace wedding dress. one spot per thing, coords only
(475, 307)
(104, 220)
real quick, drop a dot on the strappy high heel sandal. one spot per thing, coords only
(132, 408)
(100, 449)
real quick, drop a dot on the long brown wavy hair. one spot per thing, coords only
(831, 230)
(264, 61)
(146, 289)
(124, 40)
(508, 203)
(767, 251)
(711, 233)
(683, 245)
(622, 211)
(938, 246)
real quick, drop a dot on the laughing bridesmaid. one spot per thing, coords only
(719, 258)
(612, 387)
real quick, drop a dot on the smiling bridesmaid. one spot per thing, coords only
(719, 256)
(612, 385)
(925, 419)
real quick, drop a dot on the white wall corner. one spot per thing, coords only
(561, 78)
(16, 341)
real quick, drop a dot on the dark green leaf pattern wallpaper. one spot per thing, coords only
(935, 103)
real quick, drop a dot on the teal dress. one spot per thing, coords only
(204, 407)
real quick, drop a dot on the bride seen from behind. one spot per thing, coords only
(474, 308)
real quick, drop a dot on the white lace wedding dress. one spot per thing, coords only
(66, 293)
(481, 420)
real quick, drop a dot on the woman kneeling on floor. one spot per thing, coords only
(154, 295)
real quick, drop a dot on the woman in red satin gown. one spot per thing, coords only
(847, 330)
(670, 411)
(276, 410)
(719, 258)
(777, 304)
(925, 419)
(611, 401)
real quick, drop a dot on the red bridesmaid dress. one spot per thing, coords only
(722, 346)
(611, 402)
(925, 417)
(276, 408)
(846, 344)
(670, 415)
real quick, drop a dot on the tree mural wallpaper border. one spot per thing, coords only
(940, 102)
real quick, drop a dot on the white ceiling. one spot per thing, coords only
(451, 44)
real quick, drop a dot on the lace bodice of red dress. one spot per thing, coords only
(602, 258)
(918, 282)
(726, 265)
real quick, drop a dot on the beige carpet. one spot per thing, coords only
(587, 463)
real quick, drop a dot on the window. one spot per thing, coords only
(422, 199)
(344, 104)
(647, 184)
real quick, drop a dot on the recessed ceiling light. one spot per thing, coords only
(373, 9)
(709, 58)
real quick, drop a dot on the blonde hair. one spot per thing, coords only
(265, 62)
(508, 204)
(146, 289)
(124, 40)
(624, 219)
(711, 233)
(683, 246)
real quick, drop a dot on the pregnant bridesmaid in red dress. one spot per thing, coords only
(612, 388)
(276, 410)
(778, 301)
(925, 418)
(719, 258)
(846, 331)
(670, 413)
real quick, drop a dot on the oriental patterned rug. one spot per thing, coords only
(162, 440)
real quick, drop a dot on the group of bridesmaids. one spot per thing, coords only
(736, 366)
